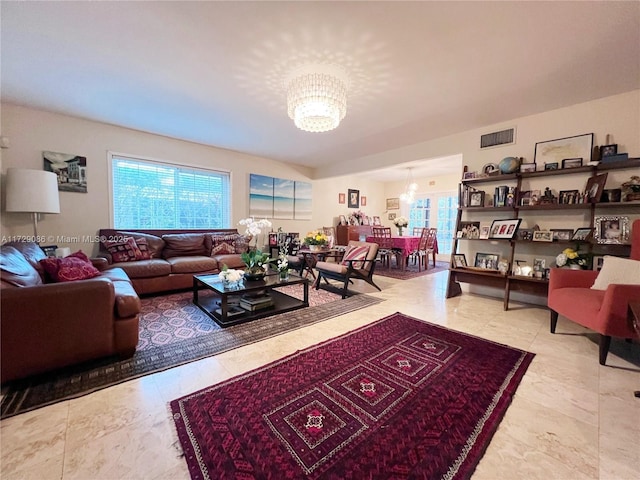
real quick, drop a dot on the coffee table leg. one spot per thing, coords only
(306, 293)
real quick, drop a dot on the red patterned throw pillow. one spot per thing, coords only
(223, 244)
(76, 266)
(124, 250)
(356, 253)
(143, 248)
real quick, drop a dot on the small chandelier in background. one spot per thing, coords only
(317, 96)
(410, 189)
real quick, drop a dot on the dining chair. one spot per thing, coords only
(425, 248)
(382, 236)
(417, 231)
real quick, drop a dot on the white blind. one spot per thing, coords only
(151, 195)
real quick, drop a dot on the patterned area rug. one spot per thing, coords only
(399, 398)
(206, 339)
(410, 272)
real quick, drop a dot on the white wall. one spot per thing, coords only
(33, 131)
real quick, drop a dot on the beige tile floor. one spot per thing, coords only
(570, 419)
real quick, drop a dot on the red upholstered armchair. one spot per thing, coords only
(604, 311)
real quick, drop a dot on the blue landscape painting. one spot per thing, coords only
(260, 196)
(302, 203)
(283, 198)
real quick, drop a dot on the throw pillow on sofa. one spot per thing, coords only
(123, 250)
(76, 266)
(223, 244)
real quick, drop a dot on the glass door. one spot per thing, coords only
(437, 210)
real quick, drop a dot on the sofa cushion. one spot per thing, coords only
(123, 250)
(616, 270)
(192, 264)
(231, 261)
(154, 244)
(76, 266)
(183, 244)
(154, 267)
(16, 270)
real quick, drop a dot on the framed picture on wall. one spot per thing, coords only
(393, 203)
(354, 198)
(342, 198)
(363, 201)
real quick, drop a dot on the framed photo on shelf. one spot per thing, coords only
(366, 221)
(582, 234)
(459, 260)
(376, 221)
(484, 232)
(476, 199)
(468, 175)
(525, 234)
(611, 229)
(487, 260)
(595, 187)
(597, 262)
(525, 198)
(343, 220)
(561, 233)
(393, 204)
(571, 162)
(504, 228)
(542, 236)
(468, 230)
(539, 264)
(608, 150)
(556, 151)
(551, 166)
(527, 167)
(566, 197)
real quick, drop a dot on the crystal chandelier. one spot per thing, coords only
(317, 96)
(410, 189)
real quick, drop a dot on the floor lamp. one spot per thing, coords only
(32, 191)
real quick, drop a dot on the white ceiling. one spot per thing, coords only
(211, 72)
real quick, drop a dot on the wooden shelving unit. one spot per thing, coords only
(509, 283)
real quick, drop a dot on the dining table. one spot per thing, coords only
(406, 244)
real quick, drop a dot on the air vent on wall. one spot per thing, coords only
(496, 139)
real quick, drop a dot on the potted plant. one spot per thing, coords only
(255, 259)
(315, 240)
(570, 258)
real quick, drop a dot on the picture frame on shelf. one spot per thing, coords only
(273, 239)
(542, 236)
(571, 162)
(539, 264)
(527, 167)
(376, 221)
(504, 228)
(611, 229)
(598, 260)
(366, 221)
(469, 230)
(353, 199)
(484, 232)
(476, 199)
(469, 175)
(556, 151)
(582, 234)
(561, 234)
(525, 234)
(393, 204)
(595, 187)
(487, 260)
(459, 260)
(491, 169)
(49, 250)
(551, 166)
(343, 220)
(525, 198)
(567, 197)
(608, 150)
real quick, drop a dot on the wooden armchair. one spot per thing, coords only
(604, 311)
(359, 262)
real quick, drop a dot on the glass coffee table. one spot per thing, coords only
(250, 299)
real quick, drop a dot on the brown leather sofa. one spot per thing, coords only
(46, 326)
(176, 255)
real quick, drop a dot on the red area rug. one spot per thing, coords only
(400, 398)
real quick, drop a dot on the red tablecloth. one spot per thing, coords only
(407, 244)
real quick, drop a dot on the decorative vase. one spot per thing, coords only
(284, 274)
(254, 273)
(400, 230)
(315, 248)
(575, 266)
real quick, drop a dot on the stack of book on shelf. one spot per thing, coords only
(233, 307)
(256, 302)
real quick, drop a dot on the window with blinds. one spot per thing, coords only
(150, 195)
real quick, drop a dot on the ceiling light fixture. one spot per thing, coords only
(317, 96)
(410, 189)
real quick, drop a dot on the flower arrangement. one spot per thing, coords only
(569, 256)
(255, 259)
(315, 237)
(401, 221)
(228, 275)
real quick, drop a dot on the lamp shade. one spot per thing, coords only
(33, 191)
